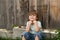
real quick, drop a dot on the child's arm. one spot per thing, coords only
(28, 26)
(37, 27)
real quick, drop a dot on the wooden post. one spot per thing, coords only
(30, 5)
(48, 11)
(7, 14)
(14, 11)
(18, 13)
(35, 4)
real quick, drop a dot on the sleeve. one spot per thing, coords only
(39, 24)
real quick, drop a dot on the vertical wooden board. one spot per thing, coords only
(54, 14)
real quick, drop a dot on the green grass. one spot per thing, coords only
(9, 38)
(20, 39)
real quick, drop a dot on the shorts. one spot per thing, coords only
(30, 36)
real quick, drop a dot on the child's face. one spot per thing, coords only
(32, 17)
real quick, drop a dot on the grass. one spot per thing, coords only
(9, 38)
(20, 39)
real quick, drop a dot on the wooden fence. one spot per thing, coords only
(13, 12)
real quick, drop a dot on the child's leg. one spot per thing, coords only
(25, 36)
(38, 36)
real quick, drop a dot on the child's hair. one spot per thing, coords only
(33, 12)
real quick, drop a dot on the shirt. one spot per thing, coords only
(32, 28)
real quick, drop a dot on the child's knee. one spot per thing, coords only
(25, 35)
(38, 35)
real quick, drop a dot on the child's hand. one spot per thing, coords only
(29, 23)
(28, 26)
(34, 22)
(36, 26)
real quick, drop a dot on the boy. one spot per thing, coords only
(33, 28)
